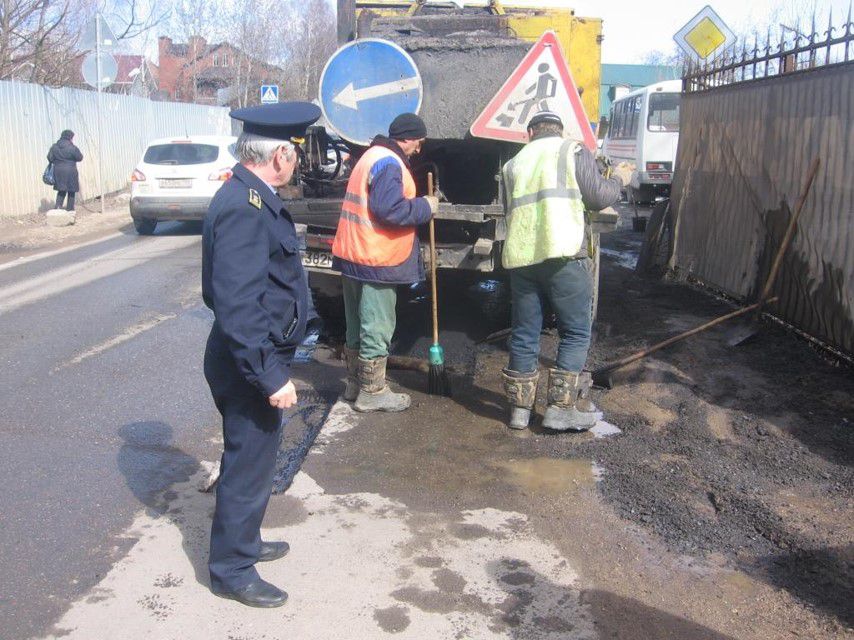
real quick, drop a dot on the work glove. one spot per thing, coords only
(625, 171)
(433, 201)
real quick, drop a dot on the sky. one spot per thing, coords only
(634, 28)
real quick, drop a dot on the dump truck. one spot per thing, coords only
(464, 56)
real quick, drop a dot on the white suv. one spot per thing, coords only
(176, 179)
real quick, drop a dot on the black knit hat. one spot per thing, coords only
(407, 126)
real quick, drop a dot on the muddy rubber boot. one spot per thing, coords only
(374, 394)
(521, 391)
(563, 414)
(351, 391)
(583, 404)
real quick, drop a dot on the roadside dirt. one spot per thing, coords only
(27, 234)
(724, 509)
(745, 452)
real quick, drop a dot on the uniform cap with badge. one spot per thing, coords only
(281, 121)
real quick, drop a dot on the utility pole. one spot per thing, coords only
(100, 91)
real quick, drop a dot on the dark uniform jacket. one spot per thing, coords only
(389, 207)
(253, 280)
(65, 156)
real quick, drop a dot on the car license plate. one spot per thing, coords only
(317, 259)
(175, 184)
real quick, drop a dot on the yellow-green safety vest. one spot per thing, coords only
(545, 214)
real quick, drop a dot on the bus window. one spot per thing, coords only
(663, 112)
(635, 107)
(617, 126)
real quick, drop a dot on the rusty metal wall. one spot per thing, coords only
(33, 116)
(743, 158)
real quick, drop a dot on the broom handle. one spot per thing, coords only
(433, 265)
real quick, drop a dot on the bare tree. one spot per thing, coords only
(136, 17)
(195, 19)
(287, 47)
(312, 41)
(672, 58)
(257, 31)
(37, 38)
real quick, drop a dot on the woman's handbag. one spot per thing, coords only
(47, 176)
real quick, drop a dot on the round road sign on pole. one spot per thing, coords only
(109, 69)
(365, 85)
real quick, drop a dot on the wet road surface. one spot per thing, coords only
(104, 406)
(436, 523)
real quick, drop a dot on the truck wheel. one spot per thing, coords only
(144, 226)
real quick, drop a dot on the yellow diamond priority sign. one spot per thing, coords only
(705, 35)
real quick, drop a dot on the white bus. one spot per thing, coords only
(644, 129)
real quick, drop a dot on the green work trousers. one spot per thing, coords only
(370, 313)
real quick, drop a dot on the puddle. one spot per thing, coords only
(550, 475)
(489, 286)
(623, 258)
(604, 429)
(305, 351)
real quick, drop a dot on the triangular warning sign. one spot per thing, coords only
(541, 82)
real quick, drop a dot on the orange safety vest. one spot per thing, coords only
(361, 238)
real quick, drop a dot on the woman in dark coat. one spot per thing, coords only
(65, 156)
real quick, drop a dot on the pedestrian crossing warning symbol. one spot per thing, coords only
(541, 82)
(269, 94)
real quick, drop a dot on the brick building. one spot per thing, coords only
(208, 73)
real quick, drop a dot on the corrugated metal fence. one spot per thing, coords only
(33, 116)
(744, 154)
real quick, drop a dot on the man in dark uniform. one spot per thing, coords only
(253, 280)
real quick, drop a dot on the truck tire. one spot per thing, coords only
(144, 226)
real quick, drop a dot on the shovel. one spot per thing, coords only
(746, 330)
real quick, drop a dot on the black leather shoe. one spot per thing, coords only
(273, 551)
(257, 594)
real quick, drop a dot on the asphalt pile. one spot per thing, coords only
(749, 453)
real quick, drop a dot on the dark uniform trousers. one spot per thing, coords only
(251, 431)
(252, 278)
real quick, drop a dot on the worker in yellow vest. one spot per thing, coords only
(376, 249)
(547, 187)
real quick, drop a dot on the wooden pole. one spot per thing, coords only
(433, 286)
(622, 362)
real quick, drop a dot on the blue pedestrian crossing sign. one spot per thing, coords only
(365, 85)
(269, 94)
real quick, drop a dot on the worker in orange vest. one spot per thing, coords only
(376, 249)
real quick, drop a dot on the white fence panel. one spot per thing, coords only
(33, 116)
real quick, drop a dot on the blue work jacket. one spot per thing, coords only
(253, 281)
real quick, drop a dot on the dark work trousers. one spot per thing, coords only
(568, 286)
(251, 430)
(60, 197)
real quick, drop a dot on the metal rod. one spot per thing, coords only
(622, 362)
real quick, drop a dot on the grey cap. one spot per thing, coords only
(545, 116)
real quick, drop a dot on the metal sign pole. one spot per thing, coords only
(99, 83)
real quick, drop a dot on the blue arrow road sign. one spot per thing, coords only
(269, 94)
(365, 85)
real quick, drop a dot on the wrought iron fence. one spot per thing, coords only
(791, 52)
